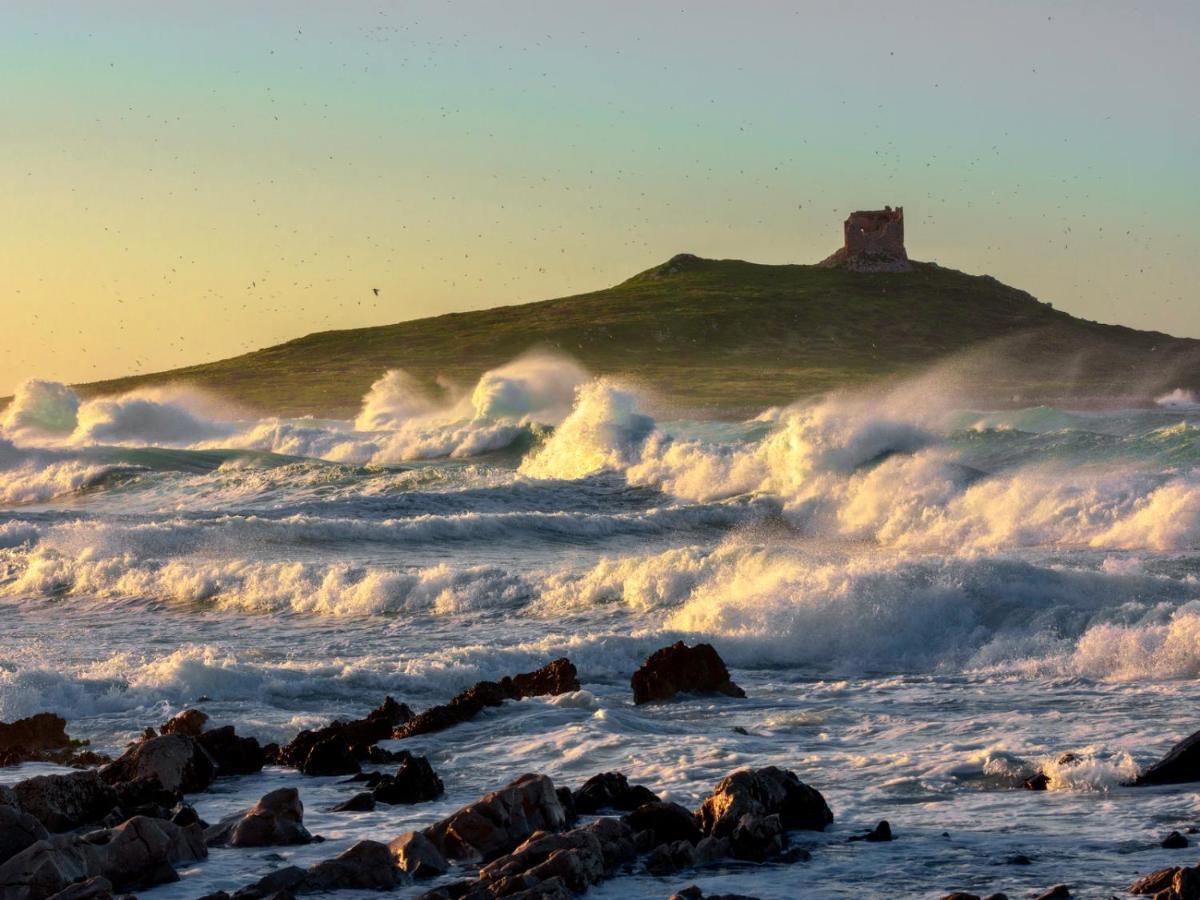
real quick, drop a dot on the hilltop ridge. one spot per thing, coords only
(727, 337)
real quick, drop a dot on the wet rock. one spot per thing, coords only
(42, 738)
(671, 857)
(176, 761)
(1174, 841)
(276, 820)
(417, 856)
(183, 815)
(611, 790)
(1179, 766)
(1058, 892)
(190, 722)
(361, 802)
(668, 822)
(135, 855)
(880, 833)
(337, 748)
(233, 755)
(567, 799)
(757, 838)
(63, 802)
(557, 677)
(18, 830)
(694, 893)
(96, 888)
(696, 670)
(960, 895)
(414, 782)
(368, 865)
(763, 792)
(1038, 782)
(1019, 859)
(499, 821)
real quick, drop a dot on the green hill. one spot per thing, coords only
(725, 336)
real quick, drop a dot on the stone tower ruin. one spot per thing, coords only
(874, 242)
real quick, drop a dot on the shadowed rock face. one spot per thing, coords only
(178, 762)
(275, 820)
(680, 668)
(337, 748)
(1180, 766)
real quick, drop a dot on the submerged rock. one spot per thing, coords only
(610, 790)
(1174, 841)
(763, 792)
(499, 821)
(275, 820)
(557, 677)
(880, 833)
(680, 668)
(178, 762)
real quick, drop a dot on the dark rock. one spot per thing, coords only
(43, 738)
(361, 802)
(184, 815)
(190, 722)
(694, 893)
(1019, 859)
(611, 790)
(63, 802)
(882, 832)
(697, 670)
(337, 748)
(1038, 782)
(499, 821)
(18, 830)
(757, 838)
(960, 895)
(276, 820)
(95, 888)
(996, 897)
(368, 865)
(1164, 880)
(176, 761)
(669, 822)
(233, 755)
(567, 799)
(1058, 892)
(416, 855)
(671, 857)
(1174, 841)
(1179, 766)
(414, 782)
(557, 677)
(762, 792)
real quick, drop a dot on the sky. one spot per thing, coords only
(184, 182)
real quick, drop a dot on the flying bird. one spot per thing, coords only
(376, 290)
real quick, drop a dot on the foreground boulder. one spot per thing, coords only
(42, 738)
(135, 855)
(367, 866)
(1180, 766)
(176, 761)
(417, 856)
(558, 677)
(695, 670)
(498, 822)
(18, 830)
(610, 790)
(663, 823)
(1175, 883)
(63, 802)
(275, 820)
(763, 792)
(338, 748)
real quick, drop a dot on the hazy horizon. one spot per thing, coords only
(187, 185)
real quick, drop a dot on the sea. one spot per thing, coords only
(926, 603)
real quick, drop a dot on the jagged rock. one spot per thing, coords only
(18, 830)
(568, 804)
(671, 857)
(190, 722)
(135, 855)
(362, 802)
(1174, 841)
(417, 856)
(1175, 883)
(63, 802)
(763, 792)
(557, 677)
(275, 820)
(879, 834)
(668, 822)
(42, 738)
(368, 865)
(177, 761)
(337, 748)
(499, 821)
(757, 838)
(610, 790)
(95, 888)
(414, 782)
(233, 755)
(695, 670)
(1037, 782)
(1180, 766)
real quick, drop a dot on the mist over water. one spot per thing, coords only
(909, 591)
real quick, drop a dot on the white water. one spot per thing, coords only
(925, 604)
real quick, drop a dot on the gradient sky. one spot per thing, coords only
(187, 181)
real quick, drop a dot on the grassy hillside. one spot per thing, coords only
(729, 336)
